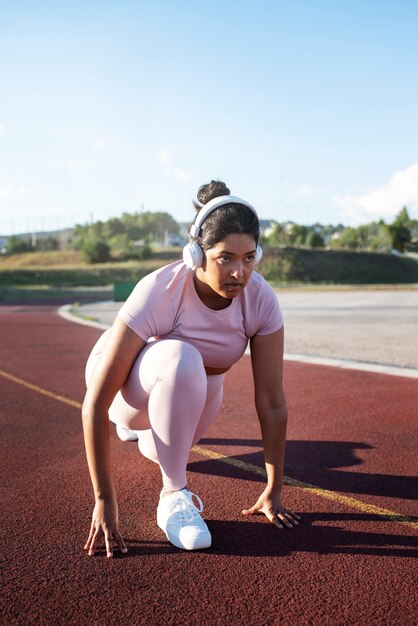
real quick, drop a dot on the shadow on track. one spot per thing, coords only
(319, 533)
(314, 462)
(250, 538)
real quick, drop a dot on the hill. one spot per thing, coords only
(280, 266)
(298, 265)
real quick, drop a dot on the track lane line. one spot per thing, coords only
(319, 491)
(248, 467)
(41, 390)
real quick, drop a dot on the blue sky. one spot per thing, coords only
(307, 109)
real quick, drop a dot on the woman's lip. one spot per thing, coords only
(233, 285)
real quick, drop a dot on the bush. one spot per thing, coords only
(143, 253)
(95, 251)
(16, 245)
(314, 240)
(289, 265)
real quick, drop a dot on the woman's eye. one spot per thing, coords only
(250, 257)
(224, 258)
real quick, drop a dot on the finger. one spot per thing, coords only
(119, 540)
(284, 520)
(251, 511)
(109, 544)
(275, 520)
(93, 541)
(89, 538)
(247, 511)
(286, 517)
(292, 517)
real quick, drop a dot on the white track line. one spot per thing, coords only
(67, 312)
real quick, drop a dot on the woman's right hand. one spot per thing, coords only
(104, 523)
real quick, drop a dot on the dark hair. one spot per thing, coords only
(228, 219)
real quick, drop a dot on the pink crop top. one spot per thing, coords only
(165, 305)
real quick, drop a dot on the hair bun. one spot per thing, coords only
(211, 190)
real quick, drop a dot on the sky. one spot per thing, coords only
(308, 110)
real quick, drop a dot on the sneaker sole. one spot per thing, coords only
(175, 541)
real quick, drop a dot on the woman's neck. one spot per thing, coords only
(209, 297)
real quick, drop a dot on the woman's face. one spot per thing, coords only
(227, 268)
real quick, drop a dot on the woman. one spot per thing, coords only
(158, 372)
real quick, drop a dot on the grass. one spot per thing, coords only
(64, 274)
(67, 269)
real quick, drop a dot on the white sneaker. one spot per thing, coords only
(126, 434)
(179, 518)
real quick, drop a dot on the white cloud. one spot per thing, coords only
(99, 144)
(304, 192)
(171, 171)
(55, 210)
(165, 157)
(181, 174)
(384, 202)
(12, 190)
(79, 164)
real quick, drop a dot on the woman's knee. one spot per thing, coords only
(172, 359)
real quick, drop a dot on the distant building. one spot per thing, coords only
(172, 240)
(3, 245)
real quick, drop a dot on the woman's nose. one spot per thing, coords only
(237, 271)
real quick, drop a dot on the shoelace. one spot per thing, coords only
(184, 506)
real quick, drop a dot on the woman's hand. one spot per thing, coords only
(270, 505)
(105, 523)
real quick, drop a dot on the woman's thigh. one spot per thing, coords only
(157, 365)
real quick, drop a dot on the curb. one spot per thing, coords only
(67, 312)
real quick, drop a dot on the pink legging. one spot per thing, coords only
(168, 397)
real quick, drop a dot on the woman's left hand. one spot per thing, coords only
(270, 505)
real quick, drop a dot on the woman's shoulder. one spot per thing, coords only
(164, 278)
(258, 285)
(160, 287)
(261, 307)
(151, 307)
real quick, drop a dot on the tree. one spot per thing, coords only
(314, 240)
(400, 230)
(130, 227)
(379, 239)
(95, 251)
(49, 243)
(141, 225)
(16, 245)
(345, 239)
(297, 234)
(278, 236)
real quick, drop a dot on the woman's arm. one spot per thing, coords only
(270, 402)
(115, 362)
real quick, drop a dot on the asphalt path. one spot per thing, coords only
(350, 468)
(372, 329)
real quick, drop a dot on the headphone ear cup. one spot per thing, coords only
(193, 255)
(258, 254)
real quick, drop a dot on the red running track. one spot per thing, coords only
(351, 561)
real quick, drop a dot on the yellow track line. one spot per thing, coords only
(44, 392)
(323, 493)
(248, 467)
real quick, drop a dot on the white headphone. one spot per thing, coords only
(192, 252)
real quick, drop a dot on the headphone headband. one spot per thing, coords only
(211, 206)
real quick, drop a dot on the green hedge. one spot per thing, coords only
(288, 265)
(72, 277)
(280, 265)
